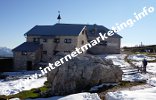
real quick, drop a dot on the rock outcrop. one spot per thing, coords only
(82, 72)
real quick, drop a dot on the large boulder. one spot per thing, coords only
(82, 72)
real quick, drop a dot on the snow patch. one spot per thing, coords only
(96, 88)
(145, 94)
(140, 57)
(152, 81)
(134, 77)
(79, 96)
(16, 86)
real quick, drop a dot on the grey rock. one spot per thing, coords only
(82, 72)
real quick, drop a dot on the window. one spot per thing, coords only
(36, 39)
(44, 52)
(104, 43)
(24, 53)
(66, 51)
(57, 40)
(67, 40)
(44, 40)
(55, 52)
(82, 42)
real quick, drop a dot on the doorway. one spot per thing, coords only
(29, 65)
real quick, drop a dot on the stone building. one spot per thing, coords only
(109, 46)
(42, 42)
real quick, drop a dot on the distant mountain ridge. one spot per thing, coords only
(5, 52)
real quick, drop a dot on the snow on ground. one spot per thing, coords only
(96, 88)
(118, 59)
(134, 77)
(151, 67)
(78, 96)
(130, 74)
(147, 93)
(140, 57)
(17, 85)
(19, 75)
(152, 81)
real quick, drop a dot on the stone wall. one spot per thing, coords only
(20, 61)
(50, 46)
(112, 47)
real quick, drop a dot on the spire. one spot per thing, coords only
(59, 17)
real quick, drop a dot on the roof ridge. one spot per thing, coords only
(44, 25)
(73, 24)
(68, 24)
(78, 24)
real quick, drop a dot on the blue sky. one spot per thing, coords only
(19, 16)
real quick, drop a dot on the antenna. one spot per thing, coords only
(59, 17)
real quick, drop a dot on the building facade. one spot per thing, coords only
(43, 42)
(110, 46)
